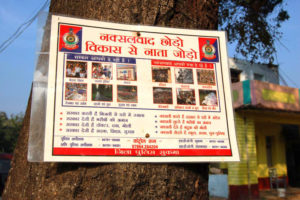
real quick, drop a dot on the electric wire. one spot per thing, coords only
(281, 72)
(282, 79)
(285, 74)
(22, 28)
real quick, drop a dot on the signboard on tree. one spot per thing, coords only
(130, 93)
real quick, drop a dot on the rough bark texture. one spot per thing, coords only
(115, 181)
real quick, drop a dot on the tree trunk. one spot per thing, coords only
(115, 181)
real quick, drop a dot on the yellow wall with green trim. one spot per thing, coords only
(240, 172)
(255, 129)
(264, 129)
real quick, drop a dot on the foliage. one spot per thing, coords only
(9, 131)
(253, 25)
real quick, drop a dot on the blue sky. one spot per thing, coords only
(17, 62)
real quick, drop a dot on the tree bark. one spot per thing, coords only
(115, 181)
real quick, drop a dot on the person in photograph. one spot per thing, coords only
(109, 74)
(69, 70)
(105, 71)
(77, 70)
(95, 71)
(186, 97)
(101, 71)
(180, 76)
(184, 76)
(208, 98)
(75, 91)
(82, 74)
(189, 100)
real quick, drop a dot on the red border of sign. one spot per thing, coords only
(139, 152)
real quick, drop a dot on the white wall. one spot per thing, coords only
(248, 70)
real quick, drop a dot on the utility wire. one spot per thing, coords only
(285, 74)
(282, 72)
(22, 28)
(283, 80)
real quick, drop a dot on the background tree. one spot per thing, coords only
(120, 180)
(9, 131)
(253, 26)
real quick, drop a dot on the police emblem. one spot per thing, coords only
(71, 40)
(208, 50)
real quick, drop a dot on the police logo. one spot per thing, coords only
(208, 50)
(71, 40)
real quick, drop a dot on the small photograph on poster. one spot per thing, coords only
(127, 93)
(101, 92)
(208, 97)
(162, 95)
(102, 71)
(76, 69)
(186, 96)
(184, 76)
(206, 77)
(161, 74)
(126, 72)
(76, 91)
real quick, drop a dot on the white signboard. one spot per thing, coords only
(129, 93)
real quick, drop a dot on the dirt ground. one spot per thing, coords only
(290, 194)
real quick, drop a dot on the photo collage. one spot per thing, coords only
(186, 88)
(101, 74)
(171, 85)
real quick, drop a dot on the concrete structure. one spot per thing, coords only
(267, 119)
(254, 71)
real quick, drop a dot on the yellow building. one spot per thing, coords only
(267, 118)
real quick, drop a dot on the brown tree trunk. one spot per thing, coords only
(115, 181)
